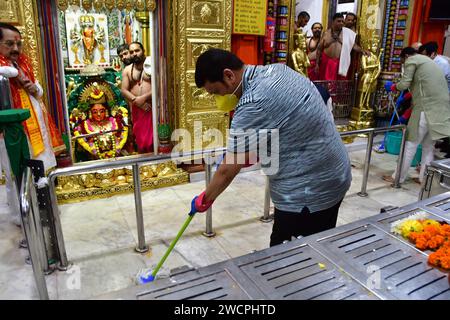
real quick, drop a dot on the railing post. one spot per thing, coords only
(208, 172)
(30, 227)
(141, 247)
(63, 264)
(266, 217)
(39, 230)
(400, 160)
(355, 86)
(363, 192)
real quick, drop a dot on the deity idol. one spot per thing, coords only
(107, 134)
(89, 41)
(300, 58)
(371, 69)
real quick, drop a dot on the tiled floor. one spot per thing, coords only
(100, 235)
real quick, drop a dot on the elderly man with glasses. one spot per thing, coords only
(43, 137)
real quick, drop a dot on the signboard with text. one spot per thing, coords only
(249, 17)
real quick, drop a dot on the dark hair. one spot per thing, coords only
(9, 27)
(303, 14)
(138, 43)
(407, 51)
(122, 47)
(351, 14)
(312, 27)
(211, 63)
(338, 15)
(429, 47)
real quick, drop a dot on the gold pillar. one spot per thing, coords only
(362, 116)
(194, 27)
(144, 18)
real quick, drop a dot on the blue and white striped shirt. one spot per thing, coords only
(313, 164)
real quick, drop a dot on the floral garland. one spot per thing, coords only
(117, 140)
(428, 234)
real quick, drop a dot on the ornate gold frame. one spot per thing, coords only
(190, 37)
(74, 196)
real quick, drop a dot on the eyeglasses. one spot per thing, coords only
(11, 43)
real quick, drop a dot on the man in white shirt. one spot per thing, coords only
(430, 49)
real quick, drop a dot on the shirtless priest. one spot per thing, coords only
(333, 53)
(137, 90)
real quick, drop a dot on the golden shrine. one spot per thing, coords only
(87, 32)
(173, 33)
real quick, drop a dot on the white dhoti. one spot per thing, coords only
(424, 138)
(12, 193)
(348, 41)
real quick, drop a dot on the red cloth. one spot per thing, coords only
(25, 65)
(312, 75)
(394, 87)
(142, 129)
(407, 113)
(329, 68)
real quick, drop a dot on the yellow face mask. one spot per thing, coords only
(229, 101)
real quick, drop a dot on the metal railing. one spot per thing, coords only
(133, 161)
(371, 132)
(31, 222)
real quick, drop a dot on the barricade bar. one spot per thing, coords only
(145, 158)
(31, 224)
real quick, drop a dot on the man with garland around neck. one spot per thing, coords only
(137, 91)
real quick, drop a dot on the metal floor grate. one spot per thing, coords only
(403, 271)
(443, 206)
(220, 285)
(361, 260)
(302, 273)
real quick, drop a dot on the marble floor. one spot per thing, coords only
(100, 235)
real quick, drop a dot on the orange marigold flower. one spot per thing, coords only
(432, 244)
(432, 230)
(413, 236)
(445, 262)
(439, 240)
(433, 258)
(421, 243)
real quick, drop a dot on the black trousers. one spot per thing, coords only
(293, 224)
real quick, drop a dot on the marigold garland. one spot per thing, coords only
(429, 234)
